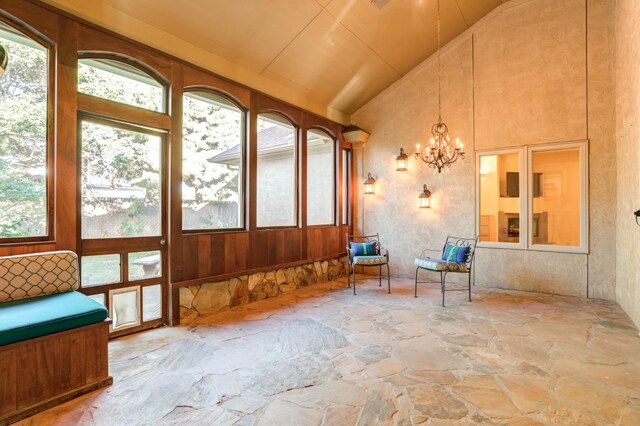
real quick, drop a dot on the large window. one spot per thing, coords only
(23, 137)
(212, 162)
(346, 187)
(540, 203)
(320, 178)
(277, 178)
(120, 82)
(121, 184)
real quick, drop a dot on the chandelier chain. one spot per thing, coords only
(439, 70)
(440, 152)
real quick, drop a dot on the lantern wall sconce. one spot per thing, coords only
(425, 198)
(402, 161)
(370, 185)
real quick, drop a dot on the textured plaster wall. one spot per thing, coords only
(628, 157)
(531, 72)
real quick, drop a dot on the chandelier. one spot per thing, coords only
(440, 152)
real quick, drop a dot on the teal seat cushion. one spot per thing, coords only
(440, 265)
(38, 316)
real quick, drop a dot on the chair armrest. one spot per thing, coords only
(384, 252)
(422, 253)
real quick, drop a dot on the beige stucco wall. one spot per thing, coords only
(628, 156)
(531, 72)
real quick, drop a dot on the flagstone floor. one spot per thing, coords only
(321, 356)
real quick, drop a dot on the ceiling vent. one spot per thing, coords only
(379, 3)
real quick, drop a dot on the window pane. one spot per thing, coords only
(101, 269)
(120, 82)
(98, 298)
(556, 197)
(121, 191)
(212, 151)
(500, 198)
(320, 180)
(151, 303)
(125, 311)
(23, 137)
(276, 203)
(346, 186)
(144, 264)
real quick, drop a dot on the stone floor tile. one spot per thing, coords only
(321, 355)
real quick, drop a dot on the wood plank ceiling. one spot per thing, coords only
(329, 56)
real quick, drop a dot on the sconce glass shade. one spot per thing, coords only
(425, 198)
(370, 185)
(4, 59)
(402, 161)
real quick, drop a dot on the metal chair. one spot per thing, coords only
(448, 262)
(380, 258)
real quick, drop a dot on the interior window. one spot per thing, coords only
(212, 162)
(276, 188)
(500, 198)
(320, 178)
(120, 82)
(556, 193)
(23, 137)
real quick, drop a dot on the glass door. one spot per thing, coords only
(123, 222)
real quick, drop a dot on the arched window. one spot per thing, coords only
(320, 178)
(121, 82)
(277, 177)
(24, 100)
(212, 162)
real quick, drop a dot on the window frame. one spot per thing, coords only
(297, 160)
(334, 176)
(526, 204)
(51, 48)
(347, 182)
(243, 158)
(152, 73)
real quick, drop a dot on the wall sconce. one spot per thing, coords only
(425, 198)
(4, 59)
(402, 161)
(370, 185)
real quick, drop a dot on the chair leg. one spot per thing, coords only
(469, 286)
(415, 291)
(380, 276)
(354, 280)
(349, 268)
(388, 279)
(442, 278)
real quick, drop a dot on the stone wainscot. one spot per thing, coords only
(209, 298)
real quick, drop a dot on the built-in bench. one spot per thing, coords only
(53, 339)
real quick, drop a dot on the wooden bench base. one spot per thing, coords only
(41, 373)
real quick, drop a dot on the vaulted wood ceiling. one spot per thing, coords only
(329, 56)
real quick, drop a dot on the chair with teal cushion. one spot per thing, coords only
(455, 257)
(366, 250)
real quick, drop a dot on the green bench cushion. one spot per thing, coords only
(28, 318)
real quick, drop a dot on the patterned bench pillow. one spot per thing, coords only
(38, 274)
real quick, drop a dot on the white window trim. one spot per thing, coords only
(526, 216)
